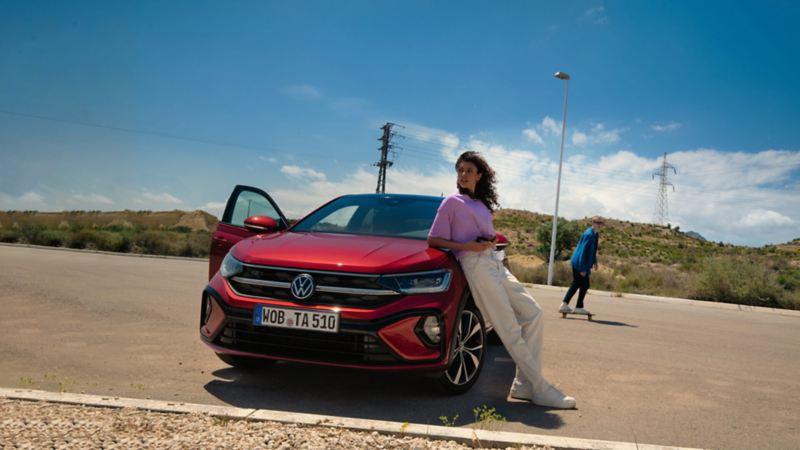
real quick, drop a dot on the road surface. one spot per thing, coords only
(688, 374)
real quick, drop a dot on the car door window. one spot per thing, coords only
(250, 204)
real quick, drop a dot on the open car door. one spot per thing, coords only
(244, 202)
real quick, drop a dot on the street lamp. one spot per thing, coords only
(561, 76)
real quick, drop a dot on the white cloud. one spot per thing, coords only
(159, 199)
(303, 92)
(215, 208)
(550, 127)
(745, 198)
(598, 135)
(28, 200)
(31, 198)
(666, 127)
(302, 173)
(596, 15)
(579, 138)
(764, 217)
(533, 136)
(270, 159)
(92, 199)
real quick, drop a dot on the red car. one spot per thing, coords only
(352, 284)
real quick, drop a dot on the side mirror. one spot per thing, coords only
(261, 224)
(502, 242)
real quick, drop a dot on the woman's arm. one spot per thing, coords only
(474, 246)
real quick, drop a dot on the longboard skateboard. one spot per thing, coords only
(564, 315)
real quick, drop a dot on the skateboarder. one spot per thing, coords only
(584, 259)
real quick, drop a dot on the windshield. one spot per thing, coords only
(407, 217)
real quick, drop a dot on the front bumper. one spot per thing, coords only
(385, 338)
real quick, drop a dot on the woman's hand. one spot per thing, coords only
(479, 246)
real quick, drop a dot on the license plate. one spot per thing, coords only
(270, 316)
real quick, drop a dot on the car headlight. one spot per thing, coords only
(230, 266)
(419, 282)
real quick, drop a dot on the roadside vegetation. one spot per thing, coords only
(657, 260)
(634, 257)
(173, 233)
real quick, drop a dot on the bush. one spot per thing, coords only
(731, 280)
(538, 274)
(153, 242)
(10, 236)
(567, 236)
(89, 239)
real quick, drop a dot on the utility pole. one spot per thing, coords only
(661, 214)
(384, 163)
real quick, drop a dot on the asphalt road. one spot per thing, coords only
(645, 371)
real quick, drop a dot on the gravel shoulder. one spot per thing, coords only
(28, 424)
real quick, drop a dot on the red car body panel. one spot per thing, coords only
(340, 253)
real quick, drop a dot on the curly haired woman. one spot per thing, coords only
(463, 224)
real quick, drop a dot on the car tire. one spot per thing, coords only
(244, 362)
(467, 354)
(492, 338)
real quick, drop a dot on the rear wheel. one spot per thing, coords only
(466, 359)
(245, 362)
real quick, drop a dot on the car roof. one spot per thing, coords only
(408, 196)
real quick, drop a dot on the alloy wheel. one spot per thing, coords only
(467, 357)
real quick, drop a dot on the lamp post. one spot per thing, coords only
(550, 269)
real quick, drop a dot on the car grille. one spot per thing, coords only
(341, 347)
(337, 289)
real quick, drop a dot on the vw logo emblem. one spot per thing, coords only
(302, 286)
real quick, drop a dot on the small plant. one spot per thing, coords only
(139, 386)
(222, 421)
(448, 422)
(64, 386)
(487, 415)
(25, 380)
(404, 426)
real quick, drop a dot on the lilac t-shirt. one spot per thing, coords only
(462, 219)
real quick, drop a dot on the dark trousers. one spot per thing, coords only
(579, 283)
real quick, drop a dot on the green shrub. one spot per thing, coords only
(538, 275)
(567, 236)
(732, 280)
(153, 242)
(10, 236)
(89, 239)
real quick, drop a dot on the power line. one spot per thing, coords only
(268, 150)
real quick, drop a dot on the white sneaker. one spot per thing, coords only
(564, 308)
(553, 398)
(582, 311)
(521, 391)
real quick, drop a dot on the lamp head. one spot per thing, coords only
(562, 75)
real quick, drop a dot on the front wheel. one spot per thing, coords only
(466, 359)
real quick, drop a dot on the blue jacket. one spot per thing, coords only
(585, 254)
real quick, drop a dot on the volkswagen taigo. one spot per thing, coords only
(352, 284)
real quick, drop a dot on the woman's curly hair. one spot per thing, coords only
(485, 190)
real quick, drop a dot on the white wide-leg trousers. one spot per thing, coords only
(513, 312)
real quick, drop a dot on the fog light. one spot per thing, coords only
(207, 309)
(431, 328)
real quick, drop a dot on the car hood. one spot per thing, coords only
(339, 252)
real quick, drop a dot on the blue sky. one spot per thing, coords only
(168, 105)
